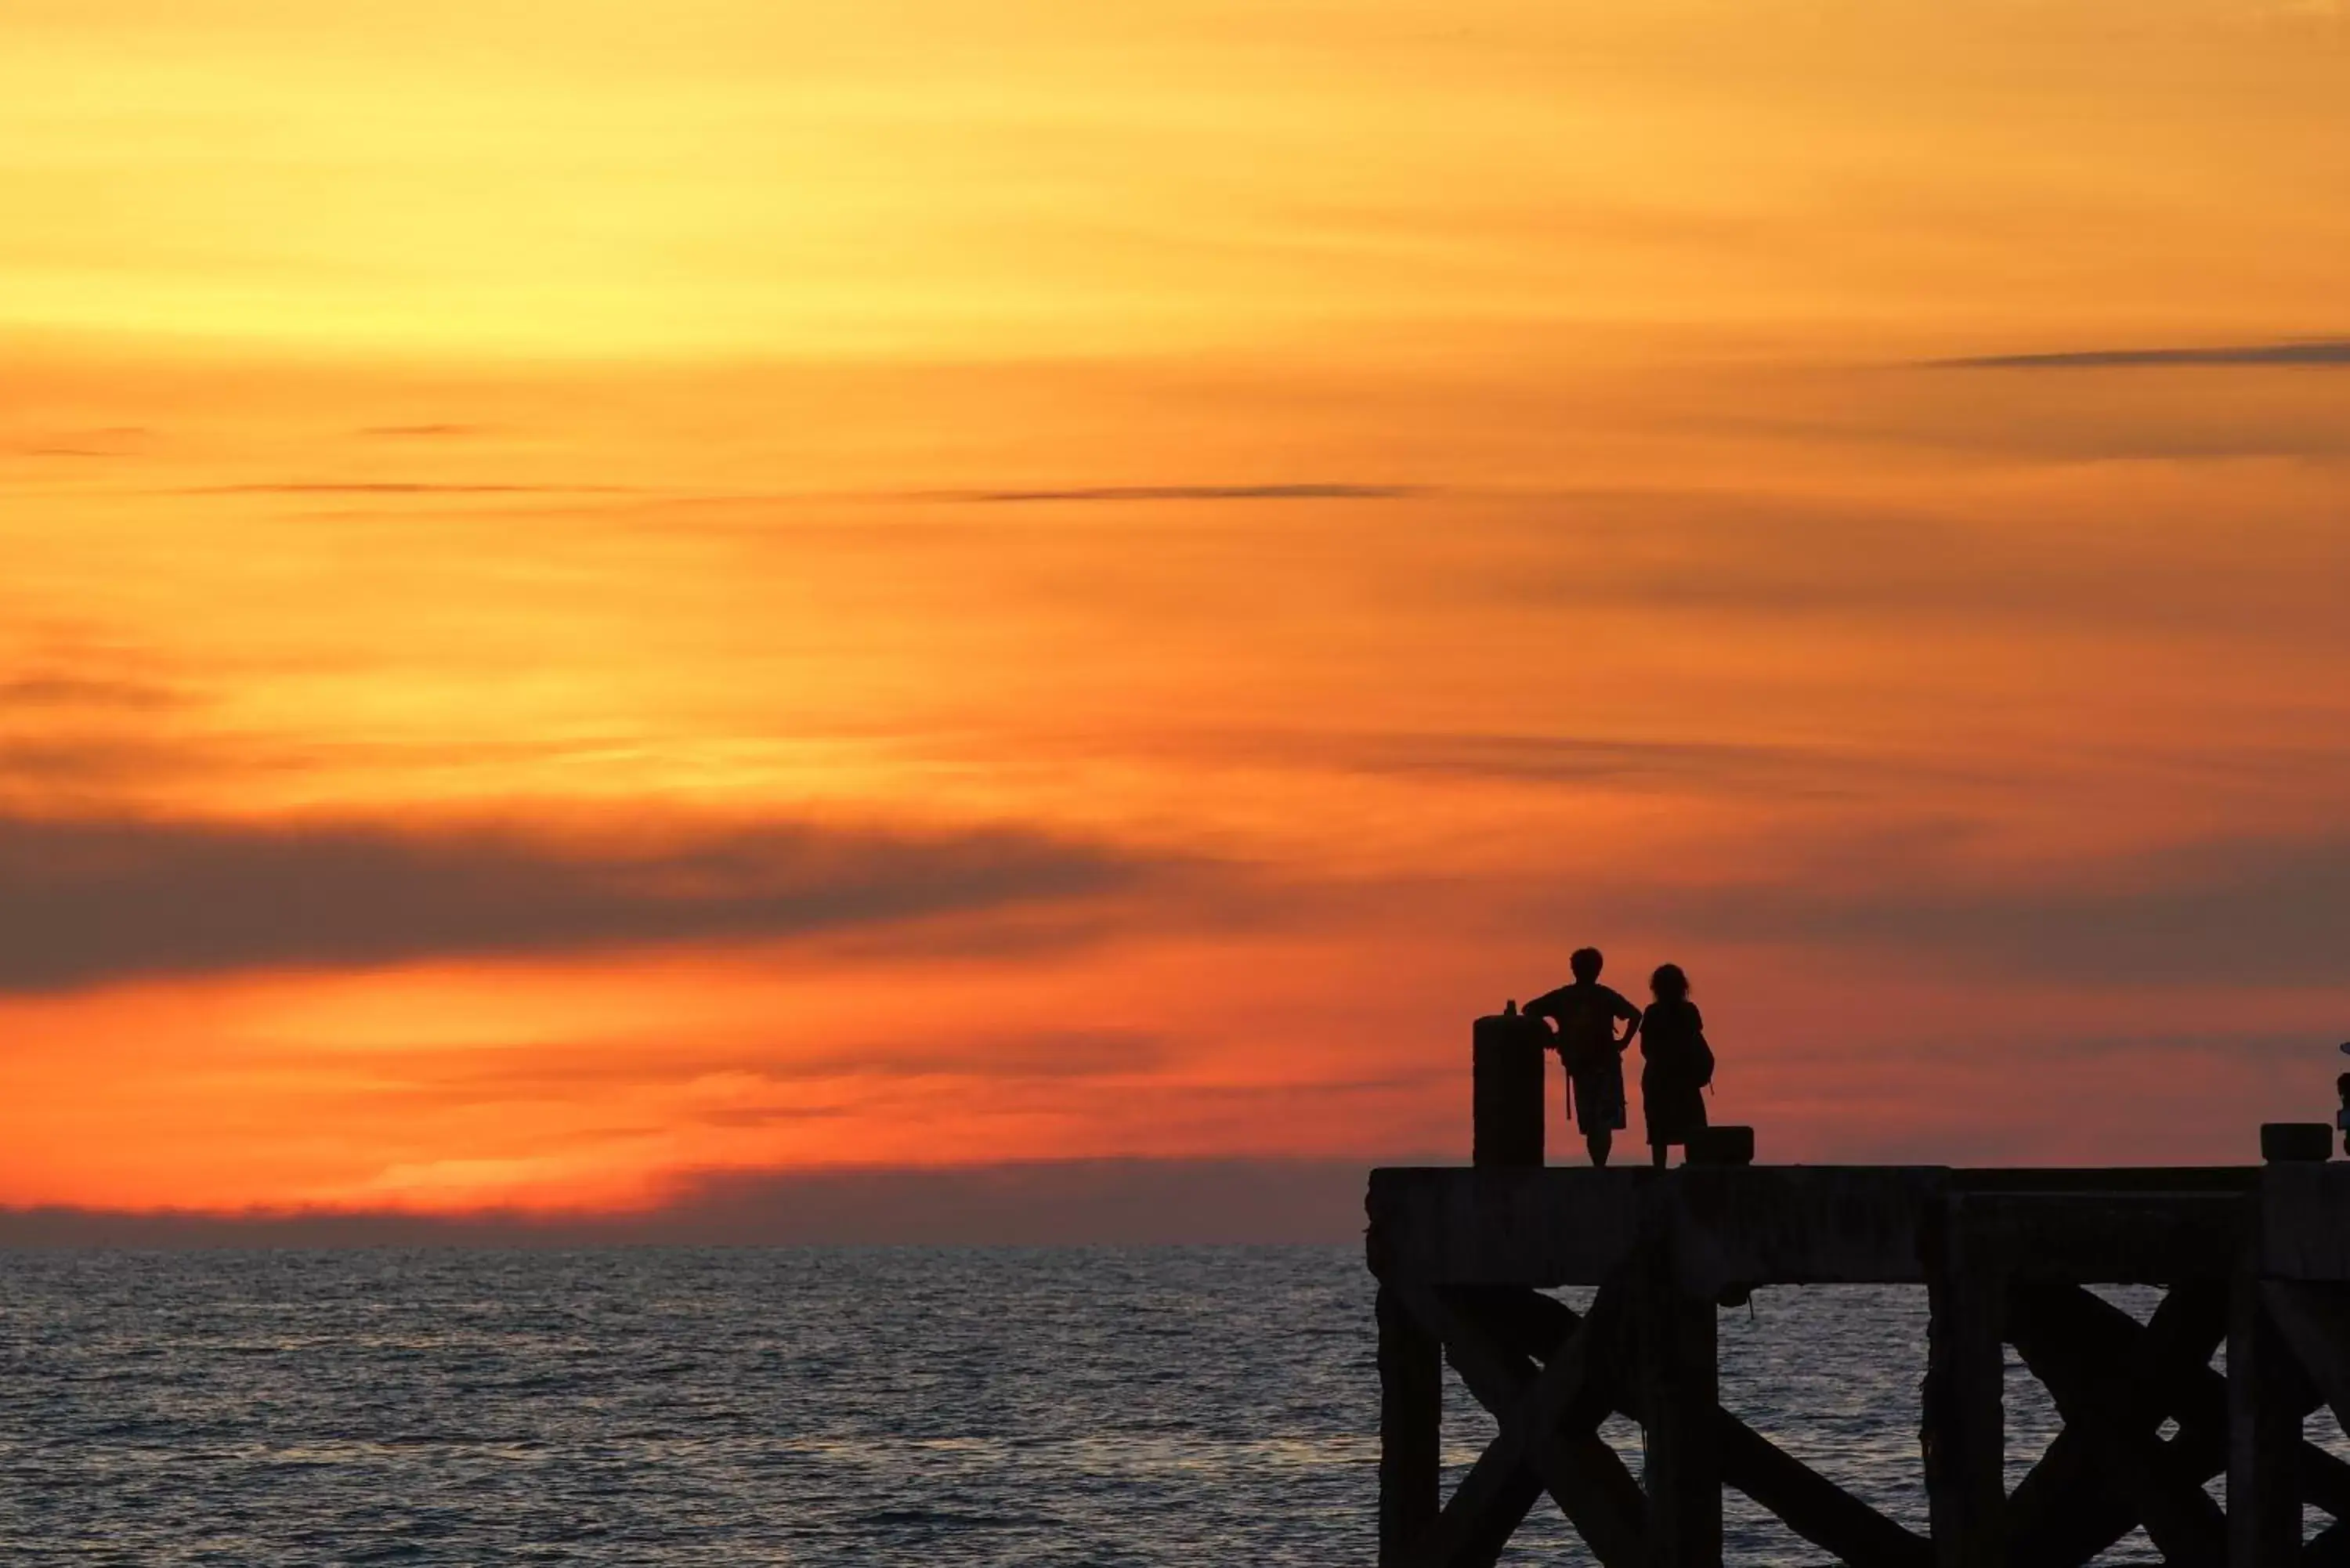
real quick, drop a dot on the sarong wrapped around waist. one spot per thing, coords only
(1597, 1099)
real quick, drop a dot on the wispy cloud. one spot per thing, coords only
(2322, 352)
(469, 1075)
(88, 763)
(1766, 557)
(397, 487)
(1529, 757)
(1136, 492)
(57, 690)
(1535, 758)
(2244, 911)
(107, 441)
(86, 902)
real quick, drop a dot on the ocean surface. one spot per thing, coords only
(875, 1408)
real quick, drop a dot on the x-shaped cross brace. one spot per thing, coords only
(2115, 1382)
(1548, 1439)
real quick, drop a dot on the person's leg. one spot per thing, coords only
(1599, 1140)
(1658, 1150)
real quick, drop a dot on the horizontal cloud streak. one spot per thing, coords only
(1133, 493)
(1542, 759)
(1036, 1055)
(48, 691)
(399, 487)
(1784, 560)
(88, 902)
(2244, 912)
(87, 763)
(1043, 1203)
(2310, 351)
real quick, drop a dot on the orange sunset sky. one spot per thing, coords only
(600, 594)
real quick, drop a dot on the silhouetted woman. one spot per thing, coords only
(1679, 1062)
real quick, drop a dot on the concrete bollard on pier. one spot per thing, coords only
(1506, 1074)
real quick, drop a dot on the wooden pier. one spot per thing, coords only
(2256, 1259)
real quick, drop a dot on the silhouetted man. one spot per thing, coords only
(1590, 1048)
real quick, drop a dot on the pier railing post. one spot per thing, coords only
(2266, 1400)
(1964, 1430)
(1677, 1363)
(1411, 1406)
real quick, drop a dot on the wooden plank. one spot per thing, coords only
(2126, 1236)
(2089, 1373)
(1814, 1507)
(1963, 1429)
(2141, 1180)
(1817, 1225)
(2265, 1407)
(1411, 1412)
(1765, 1224)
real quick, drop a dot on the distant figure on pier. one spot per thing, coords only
(1589, 1049)
(1679, 1063)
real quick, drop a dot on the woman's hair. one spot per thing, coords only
(1669, 983)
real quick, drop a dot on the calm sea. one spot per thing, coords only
(915, 1407)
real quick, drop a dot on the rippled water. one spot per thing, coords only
(870, 1407)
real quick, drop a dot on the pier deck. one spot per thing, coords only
(2256, 1257)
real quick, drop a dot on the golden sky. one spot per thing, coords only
(601, 594)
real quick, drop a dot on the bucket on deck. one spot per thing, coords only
(2296, 1141)
(1721, 1146)
(1507, 1067)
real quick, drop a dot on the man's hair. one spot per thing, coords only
(1586, 964)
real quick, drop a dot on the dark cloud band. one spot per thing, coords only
(1140, 492)
(2306, 351)
(1047, 1203)
(2250, 911)
(86, 903)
